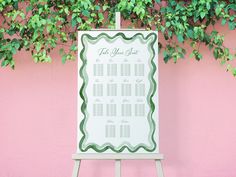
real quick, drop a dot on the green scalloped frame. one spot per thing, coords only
(84, 76)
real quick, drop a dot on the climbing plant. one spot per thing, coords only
(39, 26)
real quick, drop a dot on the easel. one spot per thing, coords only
(118, 157)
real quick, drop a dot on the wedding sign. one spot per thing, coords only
(118, 92)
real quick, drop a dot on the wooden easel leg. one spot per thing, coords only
(117, 168)
(159, 168)
(76, 168)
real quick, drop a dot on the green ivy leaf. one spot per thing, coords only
(234, 71)
(73, 47)
(50, 23)
(168, 24)
(73, 22)
(224, 21)
(86, 13)
(231, 25)
(202, 15)
(29, 8)
(97, 7)
(218, 10)
(5, 63)
(180, 38)
(64, 58)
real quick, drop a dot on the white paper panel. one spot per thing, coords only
(118, 92)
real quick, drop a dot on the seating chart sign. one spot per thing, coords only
(118, 92)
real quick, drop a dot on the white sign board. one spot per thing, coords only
(118, 92)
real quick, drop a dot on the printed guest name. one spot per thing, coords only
(117, 51)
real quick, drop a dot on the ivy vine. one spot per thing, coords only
(39, 26)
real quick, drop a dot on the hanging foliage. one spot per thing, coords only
(39, 26)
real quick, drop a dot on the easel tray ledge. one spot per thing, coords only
(123, 156)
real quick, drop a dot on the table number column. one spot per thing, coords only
(139, 69)
(111, 89)
(139, 110)
(126, 110)
(126, 89)
(98, 89)
(111, 110)
(98, 69)
(139, 89)
(110, 130)
(112, 69)
(124, 131)
(97, 109)
(125, 69)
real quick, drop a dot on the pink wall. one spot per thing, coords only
(38, 121)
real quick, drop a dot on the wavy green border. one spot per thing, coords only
(151, 93)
